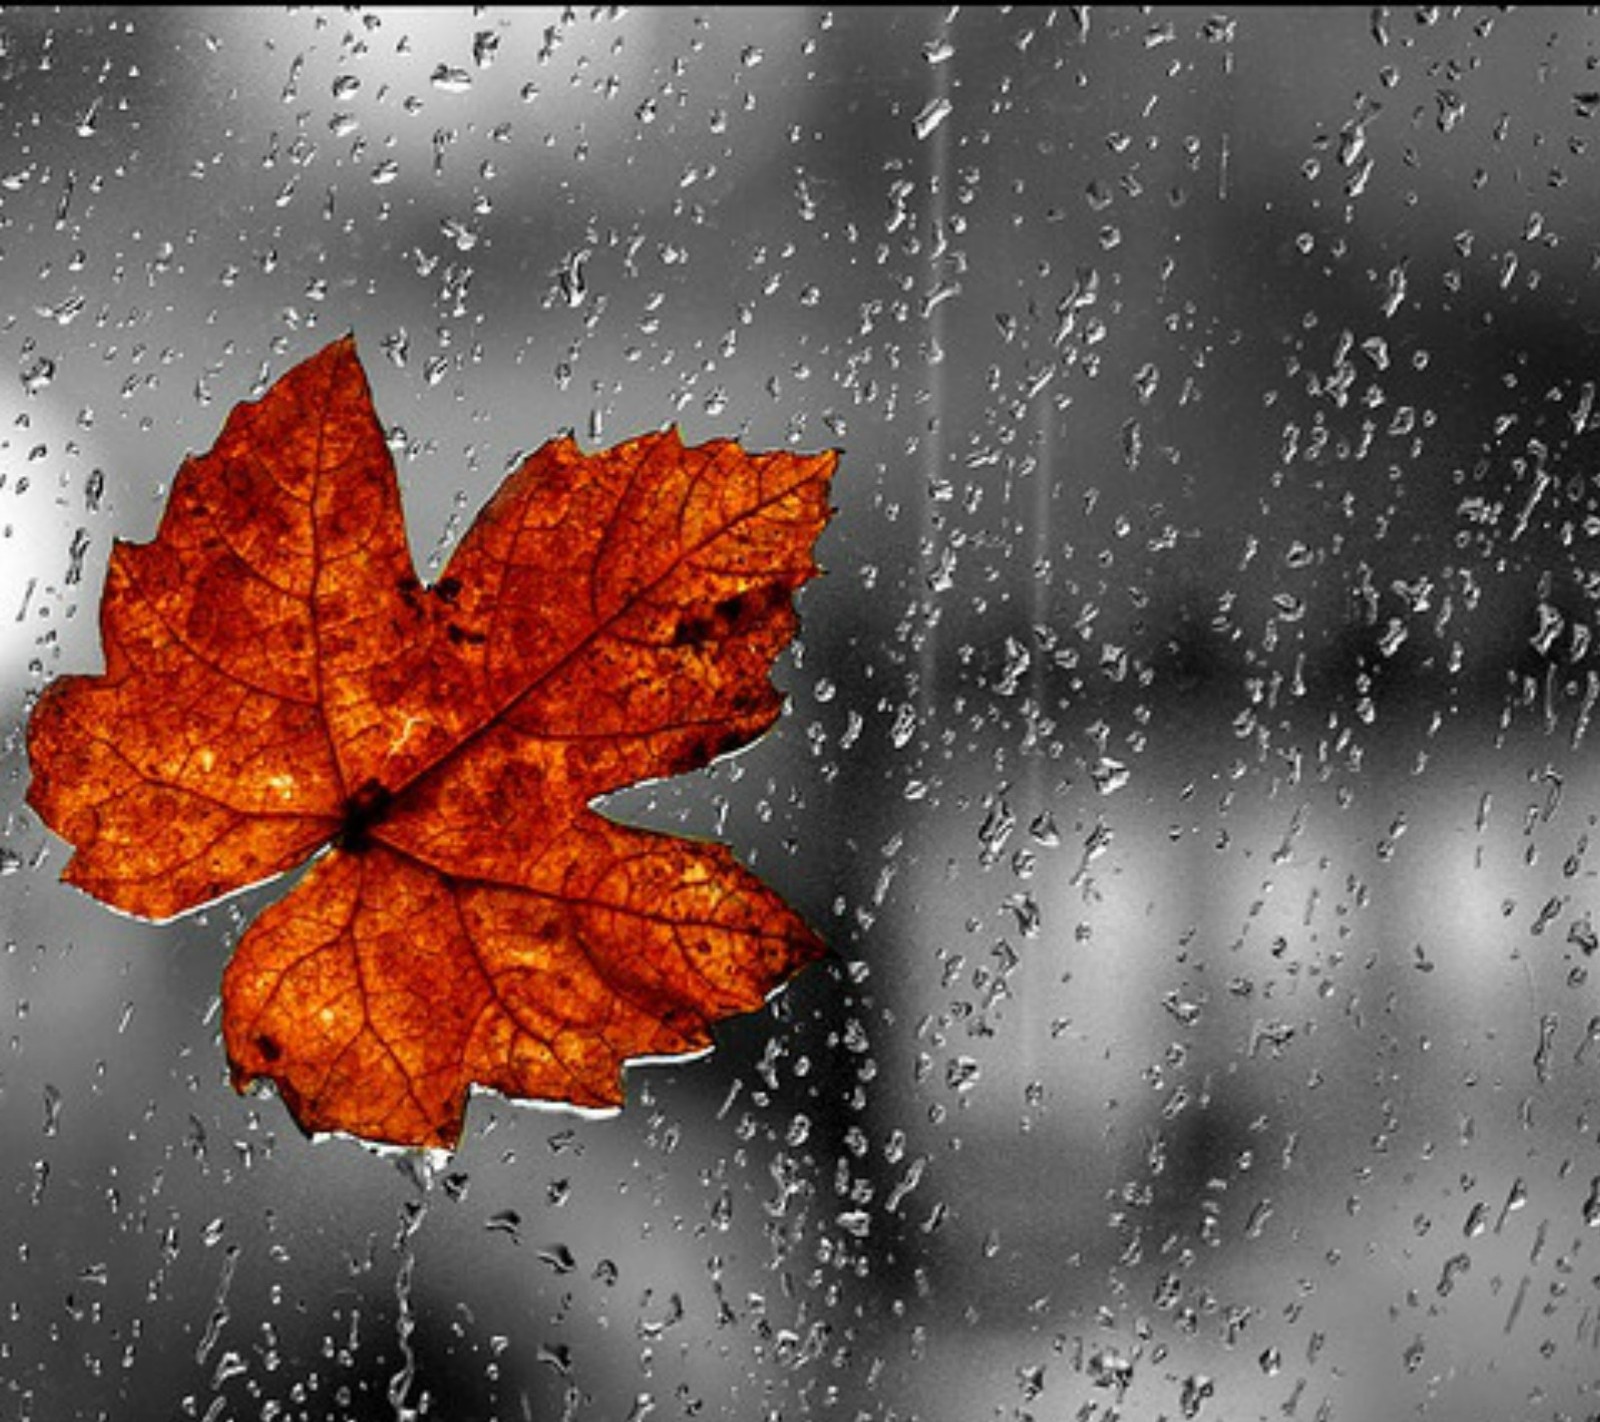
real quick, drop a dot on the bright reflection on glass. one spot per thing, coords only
(51, 511)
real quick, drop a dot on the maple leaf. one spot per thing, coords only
(279, 685)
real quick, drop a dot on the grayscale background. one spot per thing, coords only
(1189, 751)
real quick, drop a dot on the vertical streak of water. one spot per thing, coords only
(937, 169)
(1030, 1033)
(412, 1214)
(1041, 539)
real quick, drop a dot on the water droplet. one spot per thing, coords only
(1193, 1393)
(1187, 1013)
(52, 1110)
(962, 1073)
(458, 232)
(1455, 1266)
(89, 119)
(1110, 1368)
(397, 346)
(570, 277)
(1043, 828)
(452, 79)
(37, 374)
(557, 1356)
(1016, 664)
(933, 113)
(558, 1257)
(1516, 1198)
(995, 829)
(64, 312)
(905, 723)
(1029, 915)
(856, 1222)
(1541, 1056)
(507, 1222)
(1109, 775)
(1258, 1219)
(1591, 1206)
(1395, 293)
(1551, 623)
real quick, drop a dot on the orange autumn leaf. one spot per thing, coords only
(279, 685)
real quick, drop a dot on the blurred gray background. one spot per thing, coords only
(1188, 752)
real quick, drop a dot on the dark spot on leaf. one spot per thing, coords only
(458, 635)
(756, 604)
(691, 631)
(364, 811)
(447, 589)
(702, 750)
(268, 1047)
(729, 616)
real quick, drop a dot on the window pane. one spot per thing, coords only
(1187, 754)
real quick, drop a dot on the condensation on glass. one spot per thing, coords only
(1189, 754)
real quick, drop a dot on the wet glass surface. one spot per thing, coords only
(1188, 755)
